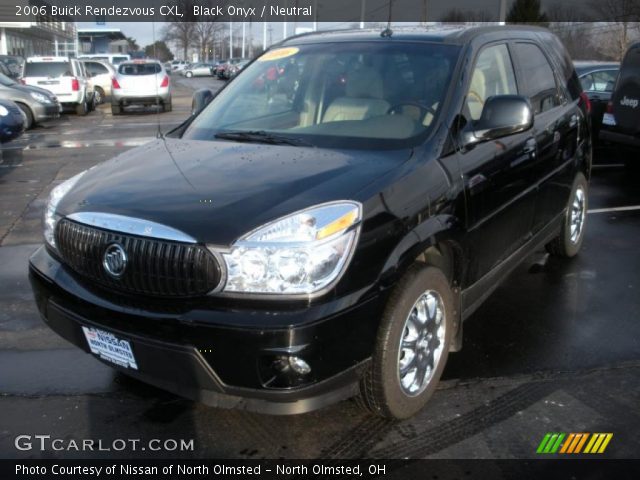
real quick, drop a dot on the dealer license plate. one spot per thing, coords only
(609, 119)
(110, 348)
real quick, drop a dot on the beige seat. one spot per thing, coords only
(477, 94)
(363, 98)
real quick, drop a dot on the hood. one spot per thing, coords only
(31, 88)
(217, 191)
(25, 90)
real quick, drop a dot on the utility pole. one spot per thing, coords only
(230, 39)
(502, 15)
(244, 34)
(315, 15)
(264, 36)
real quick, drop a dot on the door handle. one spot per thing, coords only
(530, 147)
(573, 121)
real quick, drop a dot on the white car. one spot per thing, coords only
(140, 82)
(62, 76)
(178, 65)
(101, 73)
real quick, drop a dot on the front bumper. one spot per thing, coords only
(42, 112)
(222, 354)
(127, 98)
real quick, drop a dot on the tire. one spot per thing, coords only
(82, 108)
(98, 96)
(567, 244)
(116, 109)
(382, 390)
(27, 112)
(167, 106)
(188, 74)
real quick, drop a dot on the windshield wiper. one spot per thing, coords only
(260, 136)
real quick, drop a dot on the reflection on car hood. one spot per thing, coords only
(216, 191)
(27, 89)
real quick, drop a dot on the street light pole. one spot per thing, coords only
(264, 36)
(230, 39)
(243, 37)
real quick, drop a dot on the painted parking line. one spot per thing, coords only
(629, 208)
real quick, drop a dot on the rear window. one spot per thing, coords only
(96, 68)
(117, 60)
(48, 69)
(139, 69)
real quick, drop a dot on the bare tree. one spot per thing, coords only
(458, 16)
(622, 17)
(181, 29)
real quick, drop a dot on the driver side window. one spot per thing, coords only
(492, 75)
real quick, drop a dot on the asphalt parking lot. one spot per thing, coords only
(555, 349)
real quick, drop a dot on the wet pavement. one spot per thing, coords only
(555, 349)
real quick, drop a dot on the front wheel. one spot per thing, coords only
(412, 345)
(28, 115)
(567, 244)
(188, 74)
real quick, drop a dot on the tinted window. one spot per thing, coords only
(48, 69)
(6, 81)
(139, 69)
(540, 84)
(118, 60)
(95, 68)
(492, 75)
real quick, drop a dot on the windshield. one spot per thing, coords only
(139, 68)
(48, 69)
(348, 95)
(6, 81)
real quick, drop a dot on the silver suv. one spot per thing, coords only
(140, 82)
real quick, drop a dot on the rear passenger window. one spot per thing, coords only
(540, 83)
(492, 75)
(96, 68)
(604, 80)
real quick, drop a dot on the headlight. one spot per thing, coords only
(301, 253)
(39, 97)
(50, 216)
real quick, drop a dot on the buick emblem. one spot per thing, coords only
(115, 260)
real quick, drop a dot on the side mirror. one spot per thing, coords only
(502, 115)
(201, 98)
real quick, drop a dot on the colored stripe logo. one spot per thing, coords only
(573, 443)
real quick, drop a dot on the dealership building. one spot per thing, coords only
(39, 36)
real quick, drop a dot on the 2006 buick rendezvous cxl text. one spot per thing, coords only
(322, 228)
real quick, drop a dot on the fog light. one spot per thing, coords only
(299, 366)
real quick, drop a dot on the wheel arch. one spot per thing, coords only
(433, 242)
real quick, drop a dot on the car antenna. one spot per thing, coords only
(387, 32)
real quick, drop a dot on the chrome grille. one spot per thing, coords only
(154, 267)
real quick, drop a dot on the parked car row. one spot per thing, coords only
(614, 93)
(49, 85)
(621, 121)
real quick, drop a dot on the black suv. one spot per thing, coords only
(323, 227)
(621, 122)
